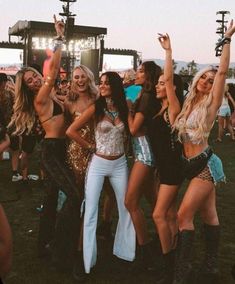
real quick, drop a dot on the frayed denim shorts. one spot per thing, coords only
(142, 150)
(216, 169)
(198, 164)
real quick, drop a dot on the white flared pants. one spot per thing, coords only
(124, 242)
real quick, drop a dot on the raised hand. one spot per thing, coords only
(165, 41)
(59, 27)
(230, 30)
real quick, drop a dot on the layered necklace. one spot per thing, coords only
(112, 114)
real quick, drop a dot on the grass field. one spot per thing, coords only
(20, 206)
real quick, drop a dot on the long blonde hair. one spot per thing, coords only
(200, 105)
(92, 89)
(24, 115)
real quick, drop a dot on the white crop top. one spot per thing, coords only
(109, 138)
(191, 126)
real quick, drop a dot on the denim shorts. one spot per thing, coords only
(142, 150)
(216, 169)
(224, 111)
(214, 164)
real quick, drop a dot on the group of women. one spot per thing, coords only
(170, 143)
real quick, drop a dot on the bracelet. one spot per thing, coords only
(59, 38)
(222, 42)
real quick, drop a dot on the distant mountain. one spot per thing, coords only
(181, 64)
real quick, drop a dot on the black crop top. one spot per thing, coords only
(57, 110)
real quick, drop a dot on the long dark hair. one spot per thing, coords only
(179, 88)
(118, 97)
(152, 73)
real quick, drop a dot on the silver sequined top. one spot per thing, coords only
(109, 138)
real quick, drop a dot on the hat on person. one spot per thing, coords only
(129, 76)
(3, 77)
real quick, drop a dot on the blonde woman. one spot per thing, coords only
(201, 166)
(83, 94)
(24, 121)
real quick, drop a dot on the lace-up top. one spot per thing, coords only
(109, 138)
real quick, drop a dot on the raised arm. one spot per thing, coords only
(218, 86)
(73, 130)
(174, 105)
(54, 65)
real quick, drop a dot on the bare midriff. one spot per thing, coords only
(192, 150)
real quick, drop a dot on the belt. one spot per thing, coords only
(205, 154)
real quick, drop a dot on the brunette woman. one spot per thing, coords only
(142, 170)
(110, 116)
(167, 152)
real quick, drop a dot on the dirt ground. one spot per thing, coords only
(20, 205)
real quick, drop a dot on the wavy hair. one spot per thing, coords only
(193, 103)
(23, 117)
(118, 97)
(92, 89)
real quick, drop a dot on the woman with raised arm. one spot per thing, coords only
(202, 167)
(110, 117)
(63, 230)
(142, 171)
(167, 153)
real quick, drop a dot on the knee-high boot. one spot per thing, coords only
(183, 257)
(209, 269)
(166, 276)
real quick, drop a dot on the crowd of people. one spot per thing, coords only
(86, 132)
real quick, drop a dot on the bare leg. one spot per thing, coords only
(139, 174)
(229, 127)
(220, 128)
(164, 215)
(24, 164)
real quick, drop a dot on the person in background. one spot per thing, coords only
(131, 90)
(64, 87)
(141, 177)
(7, 97)
(24, 121)
(203, 168)
(224, 116)
(110, 117)
(4, 138)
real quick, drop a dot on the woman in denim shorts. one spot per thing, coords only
(204, 169)
(142, 171)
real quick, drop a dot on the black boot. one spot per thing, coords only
(78, 267)
(166, 277)
(209, 271)
(183, 257)
(146, 259)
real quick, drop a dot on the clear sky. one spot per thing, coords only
(134, 24)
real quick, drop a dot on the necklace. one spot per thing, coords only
(111, 114)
